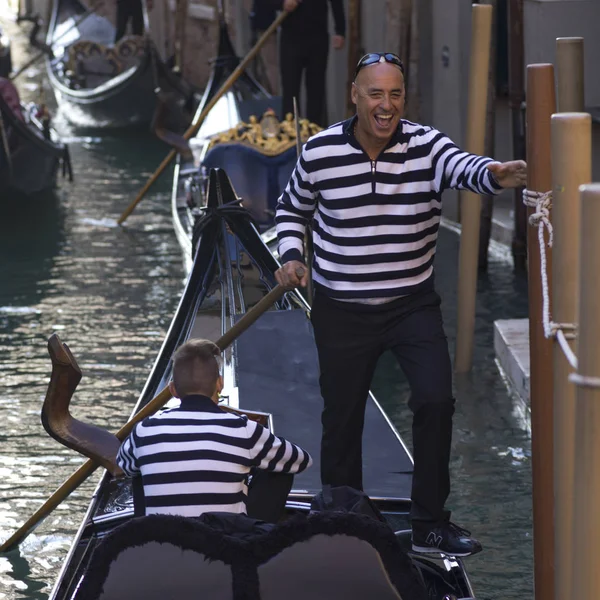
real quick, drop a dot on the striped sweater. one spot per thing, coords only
(376, 222)
(196, 458)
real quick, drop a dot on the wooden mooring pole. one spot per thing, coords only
(569, 74)
(541, 104)
(470, 203)
(586, 550)
(571, 168)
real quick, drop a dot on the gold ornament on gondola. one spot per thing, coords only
(269, 136)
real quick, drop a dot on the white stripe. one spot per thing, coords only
(193, 487)
(191, 429)
(194, 465)
(197, 445)
(331, 173)
(390, 284)
(367, 249)
(380, 210)
(182, 415)
(351, 191)
(375, 230)
(196, 511)
(375, 267)
(415, 187)
(416, 164)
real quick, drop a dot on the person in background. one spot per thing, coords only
(196, 458)
(130, 10)
(304, 50)
(374, 184)
(266, 66)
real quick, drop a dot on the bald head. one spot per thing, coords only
(378, 70)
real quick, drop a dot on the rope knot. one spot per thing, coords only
(542, 202)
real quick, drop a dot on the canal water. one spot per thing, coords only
(110, 292)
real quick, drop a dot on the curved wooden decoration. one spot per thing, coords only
(91, 441)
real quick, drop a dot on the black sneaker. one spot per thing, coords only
(443, 538)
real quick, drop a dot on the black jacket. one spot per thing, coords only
(309, 20)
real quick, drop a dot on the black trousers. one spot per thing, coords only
(350, 339)
(267, 494)
(129, 9)
(308, 56)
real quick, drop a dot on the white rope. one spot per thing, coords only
(584, 380)
(542, 202)
(564, 345)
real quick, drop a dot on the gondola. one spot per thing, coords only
(30, 150)
(247, 136)
(271, 373)
(102, 84)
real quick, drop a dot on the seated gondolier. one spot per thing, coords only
(373, 186)
(196, 458)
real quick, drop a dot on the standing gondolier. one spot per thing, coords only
(130, 10)
(304, 49)
(266, 64)
(374, 185)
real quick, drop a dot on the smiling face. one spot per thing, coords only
(378, 93)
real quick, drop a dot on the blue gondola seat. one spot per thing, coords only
(257, 178)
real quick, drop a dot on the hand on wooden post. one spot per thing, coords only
(511, 174)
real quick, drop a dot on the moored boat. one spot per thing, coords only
(232, 272)
(31, 152)
(246, 135)
(100, 83)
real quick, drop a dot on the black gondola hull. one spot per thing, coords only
(124, 100)
(128, 102)
(32, 162)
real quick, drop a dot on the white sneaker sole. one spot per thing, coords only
(431, 550)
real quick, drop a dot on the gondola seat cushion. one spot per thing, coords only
(257, 178)
(322, 556)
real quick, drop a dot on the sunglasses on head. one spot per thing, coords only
(375, 57)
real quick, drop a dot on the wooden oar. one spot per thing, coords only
(195, 126)
(155, 404)
(308, 228)
(44, 52)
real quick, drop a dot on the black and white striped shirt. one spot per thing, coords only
(375, 223)
(196, 458)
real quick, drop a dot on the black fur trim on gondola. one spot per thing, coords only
(231, 212)
(247, 552)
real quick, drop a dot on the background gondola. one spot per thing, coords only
(30, 150)
(102, 84)
(245, 134)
